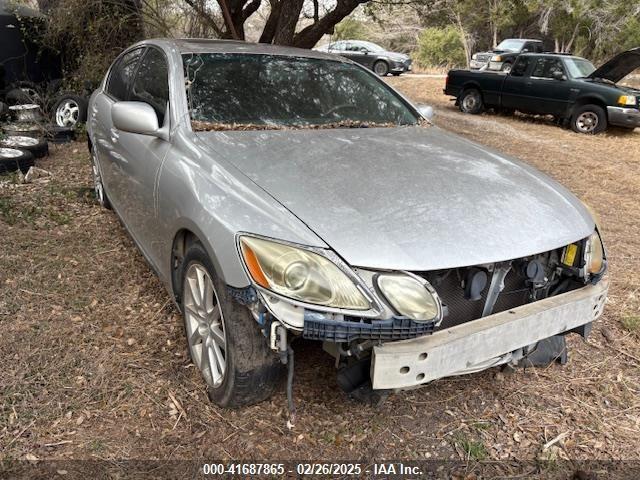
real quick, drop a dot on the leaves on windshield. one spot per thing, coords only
(200, 126)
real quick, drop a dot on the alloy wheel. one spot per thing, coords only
(97, 180)
(204, 325)
(381, 69)
(67, 113)
(587, 122)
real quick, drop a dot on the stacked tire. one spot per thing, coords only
(22, 141)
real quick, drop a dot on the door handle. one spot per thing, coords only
(528, 84)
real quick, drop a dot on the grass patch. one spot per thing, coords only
(473, 449)
(631, 323)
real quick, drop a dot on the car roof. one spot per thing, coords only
(524, 39)
(551, 54)
(200, 45)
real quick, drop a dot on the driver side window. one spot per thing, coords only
(122, 73)
(152, 83)
(521, 66)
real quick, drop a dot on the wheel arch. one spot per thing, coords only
(589, 100)
(187, 234)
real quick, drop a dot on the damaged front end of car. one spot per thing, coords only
(393, 330)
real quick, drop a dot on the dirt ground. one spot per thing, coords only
(95, 366)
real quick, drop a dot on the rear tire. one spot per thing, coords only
(249, 372)
(471, 101)
(589, 119)
(98, 185)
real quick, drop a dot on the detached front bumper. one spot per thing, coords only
(485, 342)
(624, 117)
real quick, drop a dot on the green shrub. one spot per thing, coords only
(350, 29)
(440, 47)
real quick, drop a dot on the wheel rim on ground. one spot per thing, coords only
(97, 180)
(67, 113)
(10, 153)
(20, 141)
(470, 101)
(380, 68)
(204, 325)
(587, 122)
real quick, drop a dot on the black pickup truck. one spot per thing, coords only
(566, 86)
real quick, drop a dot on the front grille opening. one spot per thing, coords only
(518, 290)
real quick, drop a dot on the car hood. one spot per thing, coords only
(409, 198)
(619, 66)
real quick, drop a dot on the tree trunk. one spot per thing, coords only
(287, 21)
(463, 37)
(310, 35)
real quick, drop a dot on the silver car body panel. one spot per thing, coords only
(409, 198)
(396, 198)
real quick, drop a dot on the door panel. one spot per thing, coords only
(550, 95)
(142, 155)
(515, 90)
(107, 139)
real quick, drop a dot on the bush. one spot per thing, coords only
(440, 47)
(350, 29)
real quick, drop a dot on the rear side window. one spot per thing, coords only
(546, 67)
(152, 83)
(122, 74)
(520, 68)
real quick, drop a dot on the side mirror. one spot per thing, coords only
(558, 75)
(426, 111)
(135, 117)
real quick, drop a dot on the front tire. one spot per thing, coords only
(471, 101)
(589, 119)
(506, 67)
(224, 340)
(381, 68)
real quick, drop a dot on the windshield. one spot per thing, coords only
(578, 67)
(511, 45)
(372, 47)
(244, 91)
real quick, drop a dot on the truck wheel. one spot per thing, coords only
(589, 119)
(506, 67)
(381, 68)
(471, 101)
(224, 340)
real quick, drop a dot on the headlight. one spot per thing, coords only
(628, 100)
(410, 297)
(594, 254)
(496, 58)
(300, 274)
(474, 56)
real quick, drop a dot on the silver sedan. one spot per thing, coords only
(283, 194)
